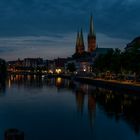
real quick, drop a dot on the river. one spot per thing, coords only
(51, 109)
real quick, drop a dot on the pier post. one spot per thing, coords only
(13, 134)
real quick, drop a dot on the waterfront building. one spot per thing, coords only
(12, 66)
(32, 62)
(60, 65)
(51, 66)
(57, 65)
(82, 66)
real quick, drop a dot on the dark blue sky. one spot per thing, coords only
(47, 28)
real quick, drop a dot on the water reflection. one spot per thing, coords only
(91, 109)
(80, 96)
(119, 106)
(26, 81)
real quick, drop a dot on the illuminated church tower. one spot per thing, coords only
(91, 37)
(80, 47)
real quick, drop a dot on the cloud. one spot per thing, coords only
(50, 47)
(118, 18)
(37, 46)
(105, 41)
(37, 25)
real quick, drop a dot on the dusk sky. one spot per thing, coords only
(47, 28)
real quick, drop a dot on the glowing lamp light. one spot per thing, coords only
(50, 71)
(58, 71)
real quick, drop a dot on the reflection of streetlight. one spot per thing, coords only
(58, 82)
(9, 83)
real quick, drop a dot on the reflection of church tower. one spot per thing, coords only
(91, 109)
(80, 100)
(80, 47)
(91, 37)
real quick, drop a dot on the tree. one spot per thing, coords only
(3, 69)
(116, 61)
(104, 62)
(71, 67)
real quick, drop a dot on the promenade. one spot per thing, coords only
(115, 84)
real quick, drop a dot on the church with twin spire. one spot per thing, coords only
(91, 39)
(84, 57)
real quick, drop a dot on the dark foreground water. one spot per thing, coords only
(58, 109)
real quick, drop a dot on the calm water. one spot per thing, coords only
(60, 109)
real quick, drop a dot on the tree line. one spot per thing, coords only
(119, 62)
(3, 69)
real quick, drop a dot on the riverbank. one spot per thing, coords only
(115, 84)
(109, 84)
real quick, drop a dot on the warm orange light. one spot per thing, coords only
(50, 71)
(58, 71)
(58, 81)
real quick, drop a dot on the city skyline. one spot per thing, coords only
(34, 29)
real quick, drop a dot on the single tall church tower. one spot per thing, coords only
(91, 37)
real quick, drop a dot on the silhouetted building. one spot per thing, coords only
(57, 65)
(33, 62)
(60, 62)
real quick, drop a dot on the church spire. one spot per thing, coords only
(91, 30)
(77, 41)
(80, 48)
(81, 38)
(91, 37)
